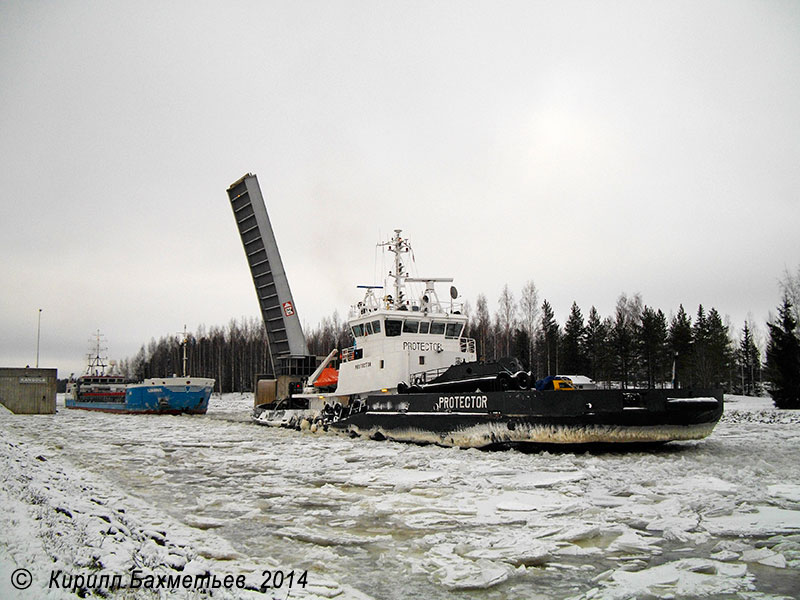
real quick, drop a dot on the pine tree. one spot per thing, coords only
(700, 338)
(680, 341)
(626, 319)
(719, 351)
(548, 343)
(653, 345)
(664, 354)
(520, 347)
(783, 358)
(748, 360)
(573, 360)
(595, 343)
(139, 365)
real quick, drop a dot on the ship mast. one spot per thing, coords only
(398, 246)
(96, 362)
(184, 343)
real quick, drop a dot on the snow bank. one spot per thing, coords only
(75, 535)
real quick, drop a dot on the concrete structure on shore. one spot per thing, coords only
(28, 391)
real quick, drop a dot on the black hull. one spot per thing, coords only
(476, 420)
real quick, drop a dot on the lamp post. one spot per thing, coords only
(38, 337)
(674, 371)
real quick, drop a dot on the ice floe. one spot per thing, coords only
(718, 517)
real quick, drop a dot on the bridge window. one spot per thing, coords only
(424, 326)
(367, 328)
(358, 331)
(376, 326)
(393, 327)
(453, 330)
(410, 326)
(437, 328)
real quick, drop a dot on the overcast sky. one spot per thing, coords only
(596, 148)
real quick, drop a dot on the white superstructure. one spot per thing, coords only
(398, 339)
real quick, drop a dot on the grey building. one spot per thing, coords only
(28, 391)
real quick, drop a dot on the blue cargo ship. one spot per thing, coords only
(174, 395)
(166, 395)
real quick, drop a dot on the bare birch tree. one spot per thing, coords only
(482, 326)
(790, 286)
(506, 319)
(529, 313)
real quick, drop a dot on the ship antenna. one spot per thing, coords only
(398, 245)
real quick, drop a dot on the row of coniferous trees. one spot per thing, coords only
(637, 345)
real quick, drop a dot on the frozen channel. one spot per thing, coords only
(718, 518)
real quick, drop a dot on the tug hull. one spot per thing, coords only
(476, 420)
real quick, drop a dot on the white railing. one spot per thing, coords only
(422, 377)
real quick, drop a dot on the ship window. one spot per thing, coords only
(453, 330)
(357, 330)
(381, 364)
(393, 327)
(437, 328)
(376, 326)
(424, 326)
(410, 326)
(422, 360)
(367, 328)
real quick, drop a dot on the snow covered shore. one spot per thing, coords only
(72, 531)
(193, 500)
(75, 533)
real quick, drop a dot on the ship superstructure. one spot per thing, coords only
(398, 339)
(96, 387)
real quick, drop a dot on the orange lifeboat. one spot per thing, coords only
(327, 378)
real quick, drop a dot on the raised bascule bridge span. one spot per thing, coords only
(289, 358)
